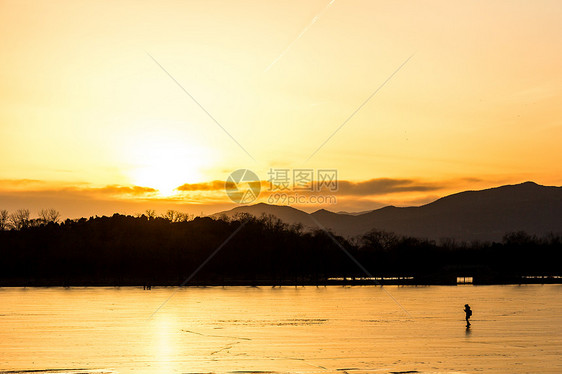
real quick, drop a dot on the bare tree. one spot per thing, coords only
(150, 213)
(184, 217)
(4, 215)
(170, 215)
(35, 222)
(49, 216)
(19, 219)
(380, 239)
(175, 216)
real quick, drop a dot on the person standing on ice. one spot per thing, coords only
(468, 312)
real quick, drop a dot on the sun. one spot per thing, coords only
(165, 163)
(165, 175)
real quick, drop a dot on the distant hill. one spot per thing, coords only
(484, 215)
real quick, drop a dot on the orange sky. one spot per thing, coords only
(86, 114)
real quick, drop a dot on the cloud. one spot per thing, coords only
(215, 185)
(26, 186)
(123, 190)
(371, 187)
(20, 182)
(383, 186)
(208, 186)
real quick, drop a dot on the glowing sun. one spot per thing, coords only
(166, 163)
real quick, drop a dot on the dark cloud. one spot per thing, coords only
(372, 187)
(212, 186)
(26, 186)
(382, 186)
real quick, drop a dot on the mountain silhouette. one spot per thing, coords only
(484, 215)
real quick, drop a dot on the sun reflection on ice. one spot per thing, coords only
(164, 344)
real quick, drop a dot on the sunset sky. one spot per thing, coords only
(90, 123)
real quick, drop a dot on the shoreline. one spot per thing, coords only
(284, 283)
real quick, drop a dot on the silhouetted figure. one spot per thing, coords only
(468, 312)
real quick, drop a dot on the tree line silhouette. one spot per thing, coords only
(20, 219)
(168, 249)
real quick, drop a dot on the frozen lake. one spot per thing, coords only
(515, 329)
